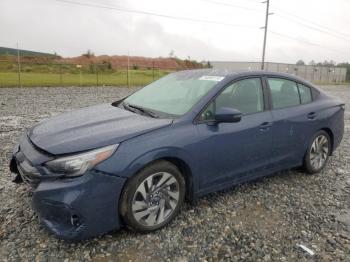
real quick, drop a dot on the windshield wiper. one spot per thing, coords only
(143, 110)
(129, 108)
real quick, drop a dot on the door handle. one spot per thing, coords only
(311, 115)
(265, 126)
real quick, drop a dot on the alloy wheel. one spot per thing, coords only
(319, 152)
(155, 199)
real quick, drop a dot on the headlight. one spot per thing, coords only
(78, 164)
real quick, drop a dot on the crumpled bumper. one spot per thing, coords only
(79, 208)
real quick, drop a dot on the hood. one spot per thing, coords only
(90, 128)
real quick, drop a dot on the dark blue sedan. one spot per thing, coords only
(135, 161)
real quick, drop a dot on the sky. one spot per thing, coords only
(214, 30)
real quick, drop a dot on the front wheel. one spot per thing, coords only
(317, 153)
(153, 197)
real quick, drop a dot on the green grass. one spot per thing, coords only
(119, 78)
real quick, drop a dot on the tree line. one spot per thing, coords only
(329, 63)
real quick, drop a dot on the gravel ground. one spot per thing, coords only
(259, 221)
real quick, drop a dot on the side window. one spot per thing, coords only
(305, 94)
(284, 93)
(245, 95)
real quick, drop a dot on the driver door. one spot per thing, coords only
(235, 152)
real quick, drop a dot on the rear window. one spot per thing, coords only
(305, 94)
(284, 93)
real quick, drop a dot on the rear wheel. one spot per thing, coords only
(318, 152)
(153, 197)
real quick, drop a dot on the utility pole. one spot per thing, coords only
(61, 82)
(265, 32)
(127, 70)
(96, 70)
(19, 67)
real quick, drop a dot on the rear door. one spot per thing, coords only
(292, 121)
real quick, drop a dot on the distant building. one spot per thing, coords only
(315, 74)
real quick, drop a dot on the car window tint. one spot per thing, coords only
(284, 93)
(305, 94)
(245, 96)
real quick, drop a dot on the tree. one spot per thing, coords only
(172, 54)
(88, 54)
(312, 63)
(300, 62)
(92, 68)
(328, 63)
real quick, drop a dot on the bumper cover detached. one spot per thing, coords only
(26, 160)
(79, 208)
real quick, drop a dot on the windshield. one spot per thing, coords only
(174, 94)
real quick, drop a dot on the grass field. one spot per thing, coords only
(119, 78)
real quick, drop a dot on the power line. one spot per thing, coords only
(312, 27)
(304, 41)
(256, 1)
(311, 22)
(121, 9)
(232, 5)
(319, 28)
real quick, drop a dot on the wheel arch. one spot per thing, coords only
(186, 171)
(331, 136)
(176, 157)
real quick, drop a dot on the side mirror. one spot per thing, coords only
(227, 115)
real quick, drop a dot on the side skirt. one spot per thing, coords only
(242, 180)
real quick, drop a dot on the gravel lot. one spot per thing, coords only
(259, 221)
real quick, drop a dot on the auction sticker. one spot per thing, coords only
(211, 78)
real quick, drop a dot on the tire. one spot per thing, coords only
(142, 208)
(317, 154)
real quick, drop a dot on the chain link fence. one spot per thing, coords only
(315, 74)
(27, 73)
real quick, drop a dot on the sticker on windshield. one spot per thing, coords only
(212, 78)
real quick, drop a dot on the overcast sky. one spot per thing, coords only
(69, 29)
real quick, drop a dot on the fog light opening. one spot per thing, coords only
(74, 219)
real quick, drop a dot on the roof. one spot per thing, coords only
(232, 73)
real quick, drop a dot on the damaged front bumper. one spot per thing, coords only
(79, 208)
(72, 208)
